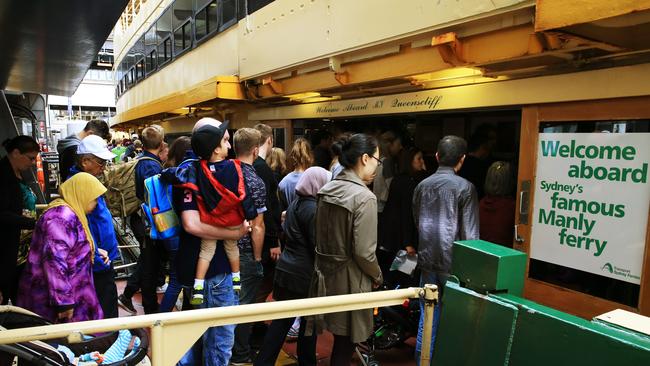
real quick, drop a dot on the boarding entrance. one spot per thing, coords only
(582, 205)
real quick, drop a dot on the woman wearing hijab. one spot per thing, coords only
(16, 201)
(57, 283)
(295, 267)
(346, 240)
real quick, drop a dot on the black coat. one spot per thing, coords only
(296, 263)
(11, 223)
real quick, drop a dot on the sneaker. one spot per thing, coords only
(236, 284)
(162, 289)
(197, 295)
(293, 332)
(126, 303)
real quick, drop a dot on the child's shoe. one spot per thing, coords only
(197, 295)
(236, 283)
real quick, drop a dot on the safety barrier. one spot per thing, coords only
(172, 334)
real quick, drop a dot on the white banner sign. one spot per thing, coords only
(591, 202)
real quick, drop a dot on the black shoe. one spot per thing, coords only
(126, 304)
(243, 362)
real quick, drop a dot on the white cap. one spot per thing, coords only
(95, 145)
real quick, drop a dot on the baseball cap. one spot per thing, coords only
(207, 138)
(95, 145)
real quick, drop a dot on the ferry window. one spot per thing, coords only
(164, 51)
(228, 14)
(163, 36)
(592, 283)
(206, 20)
(255, 5)
(183, 37)
(182, 12)
(151, 62)
(139, 69)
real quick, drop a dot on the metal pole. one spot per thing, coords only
(157, 336)
(430, 296)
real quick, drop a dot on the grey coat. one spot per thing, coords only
(346, 239)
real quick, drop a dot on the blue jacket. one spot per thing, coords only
(145, 169)
(102, 230)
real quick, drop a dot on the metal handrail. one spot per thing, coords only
(172, 334)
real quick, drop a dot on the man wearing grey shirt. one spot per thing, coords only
(445, 208)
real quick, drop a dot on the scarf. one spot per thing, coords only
(312, 180)
(77, 193)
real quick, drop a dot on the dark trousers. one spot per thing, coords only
(106, 292)
(342, 351)
(151, 252)
(277, 332)
(150, 257)
(133, 282)
(252, 275)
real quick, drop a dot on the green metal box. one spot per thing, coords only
(483, 266)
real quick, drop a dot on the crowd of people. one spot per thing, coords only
(328, 218)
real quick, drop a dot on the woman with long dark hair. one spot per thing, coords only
(16, 197)
(397, 228)
(346, 240)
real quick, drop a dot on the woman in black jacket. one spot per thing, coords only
(397, 228)
(21, 156)
(294, 268)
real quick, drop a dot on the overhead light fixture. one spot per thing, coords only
(299, 97)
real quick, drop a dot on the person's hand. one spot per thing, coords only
(275, 253)
(283, 217)
(410, 250)
(65, 314)
(104, 256)
(245, 228)
(375, 285)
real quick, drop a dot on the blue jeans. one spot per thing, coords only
(174, 287)
(217, 342)
(438, 279)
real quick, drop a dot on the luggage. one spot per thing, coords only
(119, 181)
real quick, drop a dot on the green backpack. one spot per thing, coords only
(119, 181)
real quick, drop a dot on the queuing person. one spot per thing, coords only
(295, 266)
(322, 142)
(336, 167)
(396, 227)
(215, 347)
(445, 209)
(22, 152)
(67, 147)
(390, 150)
(346, 241)
(272, 228)
(477, 161)
(119, 149)
(176, 154)
(300, 158)
(57, 282)
(246, 142)
(151, 251)
(277, 161)
(497, 208)
(220, 186)
(92, 157)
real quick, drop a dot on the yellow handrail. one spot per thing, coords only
(174, 333)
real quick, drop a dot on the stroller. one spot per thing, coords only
(46, 353)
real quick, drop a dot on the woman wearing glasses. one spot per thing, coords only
(16, 198)
(346, 239)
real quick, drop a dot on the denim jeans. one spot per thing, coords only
(252, 274)
(438, 279)
(174, 287)
(217, 342)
